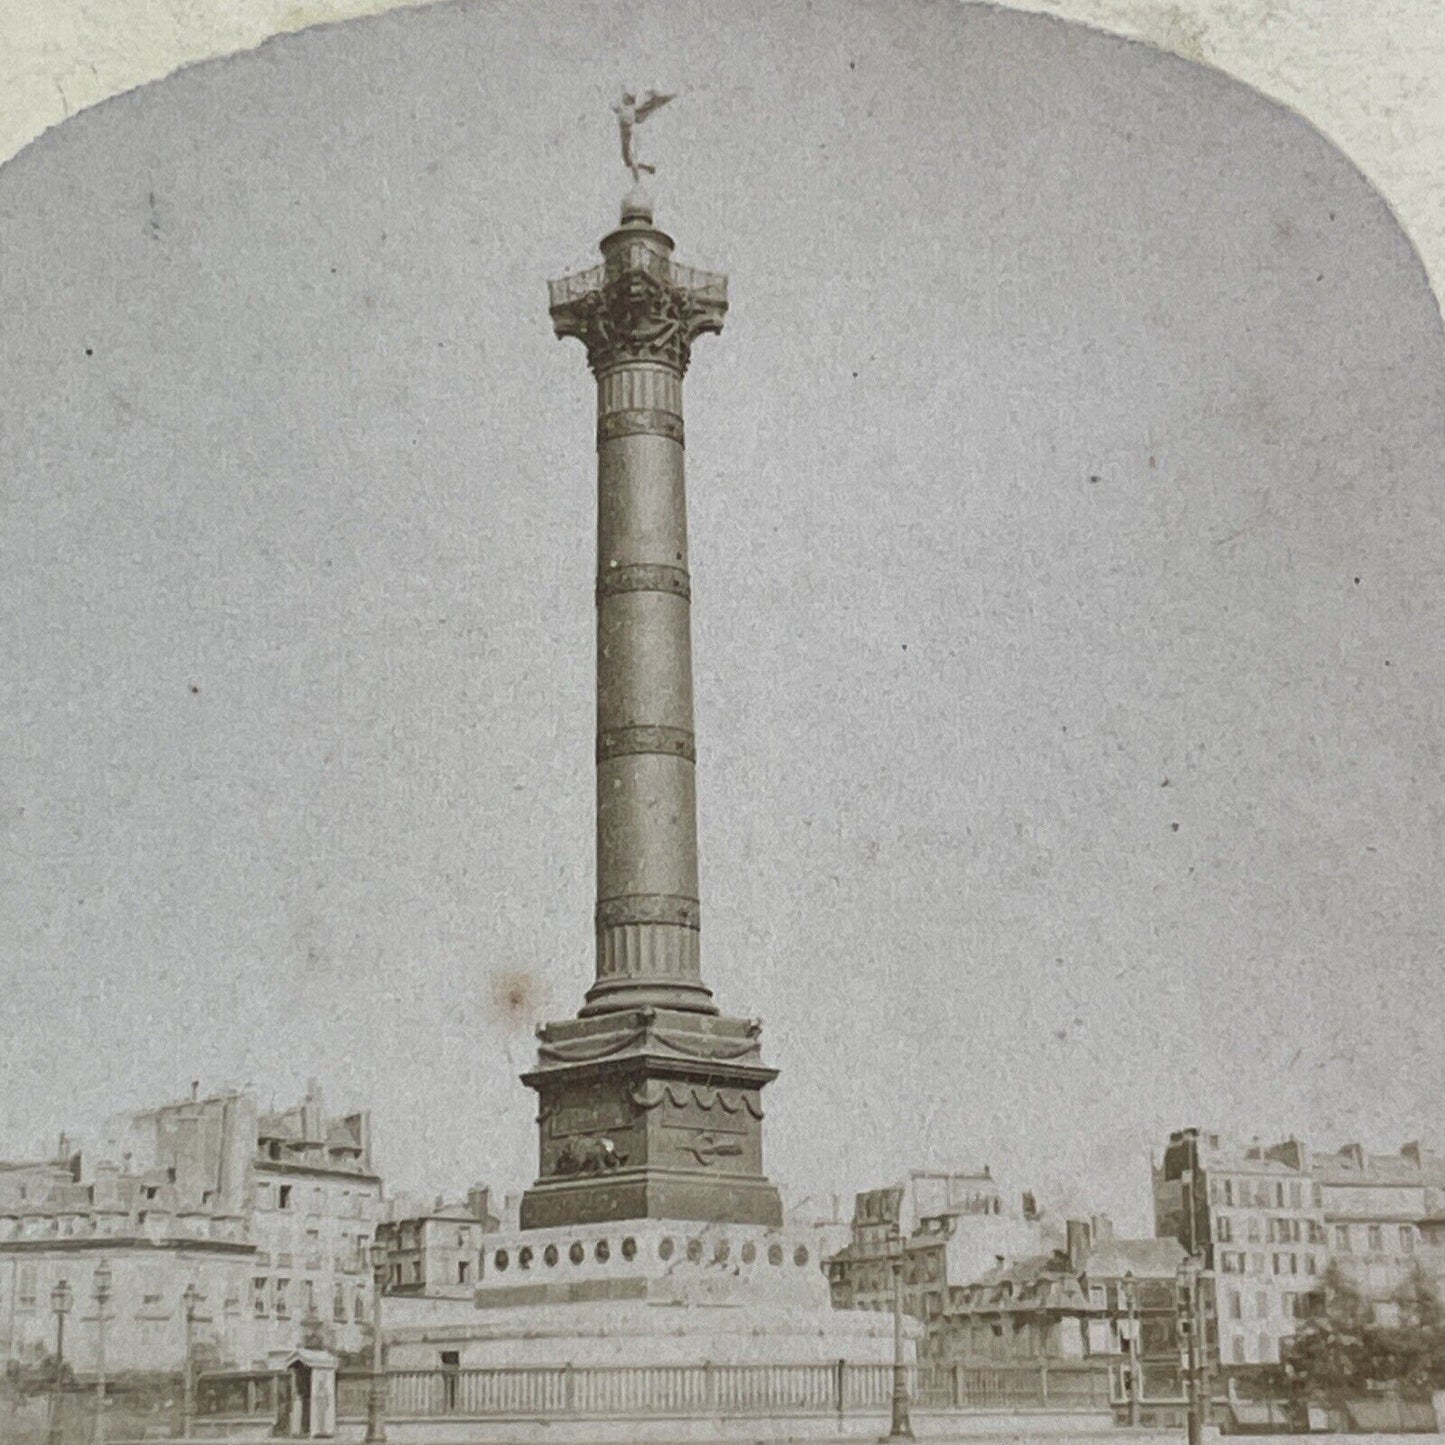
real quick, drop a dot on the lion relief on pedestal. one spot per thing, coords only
(588, 1156)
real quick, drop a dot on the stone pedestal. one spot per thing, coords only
(650, 1114)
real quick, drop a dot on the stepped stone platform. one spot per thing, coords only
(646, 1292)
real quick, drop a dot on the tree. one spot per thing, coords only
(1332, 1357)
(1411, 1352)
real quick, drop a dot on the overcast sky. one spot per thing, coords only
(1066, 534)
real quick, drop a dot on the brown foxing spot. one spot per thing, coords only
(516, 998)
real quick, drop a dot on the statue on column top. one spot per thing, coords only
(630, 114)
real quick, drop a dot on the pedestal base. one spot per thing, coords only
(650, 1114)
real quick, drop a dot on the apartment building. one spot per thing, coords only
(263, 1217)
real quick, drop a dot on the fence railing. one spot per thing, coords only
(1013, 1387)
(661, 1390)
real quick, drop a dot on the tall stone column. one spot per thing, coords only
(638, 314)
(649, 1101)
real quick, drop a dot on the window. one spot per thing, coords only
(1223, 1228)
(338, 1305)
(1295, 1193)
(26, 1291)
(358, 1307)
(464, 1271)
(1256, 1262)
(1254, 1229)
(1261, 1304)
(1407, 1239)
(1279, 1263)
(1377, 1241)
(1309, 1264)
(1342, 1238)
(1279, 1194)
(258, 1298)
(1236, 1306)
(283, 1197)
(151, 1285)
(1239, 1350)
(283, 1305)
(1229, 1191)
(1266, 1351)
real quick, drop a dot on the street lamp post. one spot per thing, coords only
(1132, 1304)
(61, 1300)
(900, 1427)
(190, 1300)
(376, 1395)
(102, 1298)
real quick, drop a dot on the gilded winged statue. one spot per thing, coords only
(630, 114)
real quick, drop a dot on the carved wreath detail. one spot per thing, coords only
(640, 320)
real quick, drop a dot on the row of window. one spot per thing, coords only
(1257, 1262)
(1291, 1306)
(344, 1202)
(1253, 1230)
(411, 1271)
(276, 1299)
(1266, 1351)
(1266, 1193)
(1375, 1237)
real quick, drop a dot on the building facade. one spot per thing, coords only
(1382, 1217)
(1271, 1218)
(953, 1226)
(438, 1252)
(264, 1217)
(1080, 1304)
(1256, 1216)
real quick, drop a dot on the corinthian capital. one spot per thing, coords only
(638, 305)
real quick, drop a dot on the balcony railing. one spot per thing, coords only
(638, 260)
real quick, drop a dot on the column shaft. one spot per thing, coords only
(647, 884)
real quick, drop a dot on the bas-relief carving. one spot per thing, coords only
(593, 1155)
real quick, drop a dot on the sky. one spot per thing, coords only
(1370, 77)
(1065, 534)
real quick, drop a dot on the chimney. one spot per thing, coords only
(1354, 1154)
(1292, 1153)
(1076, 1235)
(1101, 1229)
(1030, 1207)
(1410, 1153)
(195, 1090)
(479, 1203)
(313, 1124)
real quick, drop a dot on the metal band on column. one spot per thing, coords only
(630, 742)
(639, 423)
